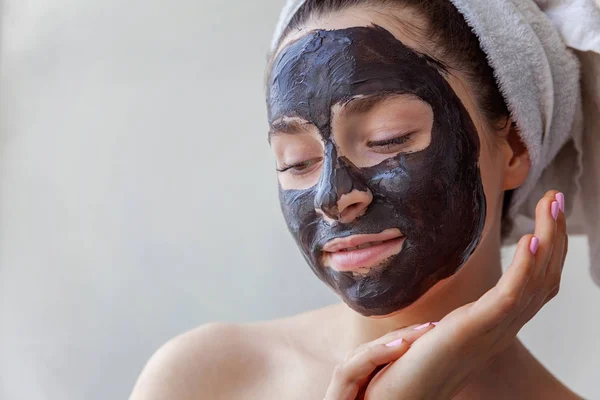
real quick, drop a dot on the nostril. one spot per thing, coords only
(353, 211)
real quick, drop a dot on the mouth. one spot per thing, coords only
(359, 252)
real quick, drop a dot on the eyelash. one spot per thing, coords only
(305, 164)
(388, 143)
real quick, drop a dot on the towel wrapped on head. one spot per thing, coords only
(546, 60)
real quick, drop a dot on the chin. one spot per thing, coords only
(428, 301)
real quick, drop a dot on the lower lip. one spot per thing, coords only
(368, 257)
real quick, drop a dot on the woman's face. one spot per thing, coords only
(382, 160)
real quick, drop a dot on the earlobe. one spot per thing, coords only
(517, 162)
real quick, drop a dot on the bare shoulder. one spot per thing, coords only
(215, 360)
(270, 359)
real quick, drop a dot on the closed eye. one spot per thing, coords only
(393, 144)
(301, 167)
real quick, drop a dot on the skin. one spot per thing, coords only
(338, 353)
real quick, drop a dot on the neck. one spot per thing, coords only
(515, 373)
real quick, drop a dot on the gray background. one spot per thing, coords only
(138, 198)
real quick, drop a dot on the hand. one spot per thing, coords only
(351, 377)
(439, 364)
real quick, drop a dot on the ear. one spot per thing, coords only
(516, 157)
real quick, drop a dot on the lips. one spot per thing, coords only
(362, 251)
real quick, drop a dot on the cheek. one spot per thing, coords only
(298, 210)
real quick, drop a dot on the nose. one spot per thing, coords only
(341, 194)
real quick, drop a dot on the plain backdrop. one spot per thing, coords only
(138, 196)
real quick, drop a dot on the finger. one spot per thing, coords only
(554, 280)
(414, 332)
(545, 231)
(349, 377)
(409, 333)
(555, 266)
(561, 234)
(561, 200)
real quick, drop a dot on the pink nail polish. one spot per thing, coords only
(554, 210)
(561, 201)
(418, 328)
(435, 323)
(533, 245)
(395, 343)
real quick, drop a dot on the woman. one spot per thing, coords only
(396, 159)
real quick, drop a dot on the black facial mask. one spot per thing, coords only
(434, 196)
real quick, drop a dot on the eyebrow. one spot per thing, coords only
(355, 105)
(362, 105)
(287, 127)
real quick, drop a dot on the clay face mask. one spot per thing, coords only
(434, 196)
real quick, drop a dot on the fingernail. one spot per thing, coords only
(533, 245)
(395, 343)
(561, 201)
(434, 323)
(554, 210)
(418, 328)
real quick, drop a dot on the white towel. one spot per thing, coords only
(537, 49)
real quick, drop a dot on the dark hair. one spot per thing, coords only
(457, 46)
